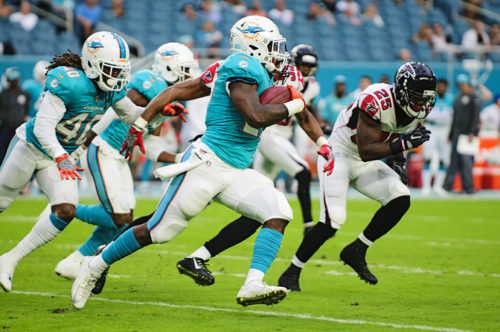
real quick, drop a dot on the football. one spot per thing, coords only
(275, 95)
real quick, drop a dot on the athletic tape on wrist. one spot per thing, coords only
(294, 106)
(321, 141)
(140, 123)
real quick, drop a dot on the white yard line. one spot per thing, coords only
(259, 312)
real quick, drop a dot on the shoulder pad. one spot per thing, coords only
(67, 82)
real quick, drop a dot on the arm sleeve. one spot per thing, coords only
(153, 146)
(50, 113)
(106, 119)
(127, 110)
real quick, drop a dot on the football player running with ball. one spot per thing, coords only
(216, 166)
(106, 168)
(79, 91)
(383, 121)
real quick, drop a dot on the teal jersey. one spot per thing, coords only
(35, 90)
(148, 84)
(228, 135)
(84, 102)
(331, 106)
(442, 112)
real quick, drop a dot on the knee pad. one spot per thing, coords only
(167, 230)
(303, 176)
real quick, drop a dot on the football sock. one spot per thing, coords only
(94, 215)
(303, 192)
(439, 179)
(313, 240)
(101, 235)
(386, 218)
(202, 253)
(266, 248)
(43, 231)
(426, 178)
(234, 233)
(123, 246)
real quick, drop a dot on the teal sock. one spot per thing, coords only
(58, 222)
(94, 215)
(125, 245)
(101, 235)
(266, 248)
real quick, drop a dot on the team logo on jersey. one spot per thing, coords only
(94, 45)
(243, 64)
(54, 83)
(146, 84)
(250, 30)
(169, 54)
(208, 76)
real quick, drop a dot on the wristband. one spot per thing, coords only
(140, 124)
(396, 147)
(321, 141)
(294, 106)
(178, 158)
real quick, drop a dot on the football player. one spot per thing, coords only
(107, 170)
(36, 85)
(79, 90)
(383, 121)
(216, 166)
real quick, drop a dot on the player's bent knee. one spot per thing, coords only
(121, 219)
(338, 217)
(5, 202)
(168, 231)
(397, 189)
(65, 211)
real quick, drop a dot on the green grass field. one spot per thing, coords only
(438, 270)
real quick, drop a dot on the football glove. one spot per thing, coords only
(133, 138)
(400, 168)
(325, 151)
(173, 109)
(415, 138)
(67, 169)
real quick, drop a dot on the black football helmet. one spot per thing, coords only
(415, 89)
(303, 54)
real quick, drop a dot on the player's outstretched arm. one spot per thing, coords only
(310, 124)
(246, 100)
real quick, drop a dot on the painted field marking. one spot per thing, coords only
(258, 312)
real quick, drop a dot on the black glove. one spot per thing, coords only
(399, 167)
(416, 138)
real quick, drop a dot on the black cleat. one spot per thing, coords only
(354, 256)
(290, 279)
(196, 269)
(99, 285)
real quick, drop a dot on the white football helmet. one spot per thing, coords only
(260, 38)
(105, 59)
(39, 71)
(175, 63)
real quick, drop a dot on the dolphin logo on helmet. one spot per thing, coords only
(251, 31)
(94, 46)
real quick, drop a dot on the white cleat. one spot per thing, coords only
(69, 266)
(84, 283)
(258, 292)
(6, 273)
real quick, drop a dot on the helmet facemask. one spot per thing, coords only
(113, 77)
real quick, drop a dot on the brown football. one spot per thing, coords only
(275, 95)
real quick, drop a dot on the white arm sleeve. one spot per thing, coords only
(48, 116)
(127, 110)
(154, 147)
(106, 119)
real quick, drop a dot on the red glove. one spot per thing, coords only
(172, 109)
(295, 94)
(67, 168)
(133, 138)
(325, 151)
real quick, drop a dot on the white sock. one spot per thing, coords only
(97, 264)
(363, 239)
(202, 253)
(297, 262)
(254, 274)
(43, 231)
(426, 179)
(439, 180)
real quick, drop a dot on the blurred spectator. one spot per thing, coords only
(5, 10)
(281, 13)
(187, 40)
(316, 12)
(404, 54)
(237, 6)
(14, 107)
(364, 82)
(495, 34)
(476, 36)
(371, 15)
(330, 106)
(330, 5)
(423, 34)
(425, 5)
(438, 38)
(210, 38)
(189, 12)
(24, 16)
(349, 8)
(256, 9)
(470, 13)
(490, 116)
(117, 8)
(466, 108)
(384, 78)
(87, 15)
(210, 12)
(36, 86)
